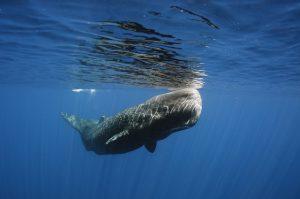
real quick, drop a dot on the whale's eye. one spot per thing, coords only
(165, 108)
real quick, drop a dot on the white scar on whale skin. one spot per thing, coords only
(141, 125)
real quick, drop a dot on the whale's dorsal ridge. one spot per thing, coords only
(150, 146)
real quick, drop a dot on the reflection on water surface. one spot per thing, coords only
(127, 52)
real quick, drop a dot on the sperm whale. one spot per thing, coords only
(141, 125)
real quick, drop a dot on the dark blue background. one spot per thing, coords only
(245, 145)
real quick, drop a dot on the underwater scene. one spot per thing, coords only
(145, 99)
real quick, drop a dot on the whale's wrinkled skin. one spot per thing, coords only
(141, 125)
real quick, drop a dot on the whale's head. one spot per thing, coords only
(178, 110)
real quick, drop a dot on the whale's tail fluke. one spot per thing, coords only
(84, 126)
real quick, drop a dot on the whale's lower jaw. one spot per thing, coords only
(117, 150)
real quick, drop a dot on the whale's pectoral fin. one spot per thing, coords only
(150, 146)
(117, 138)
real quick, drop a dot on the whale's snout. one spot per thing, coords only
(183, 107)
(190, 104)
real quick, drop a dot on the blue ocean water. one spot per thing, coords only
(97, 58)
